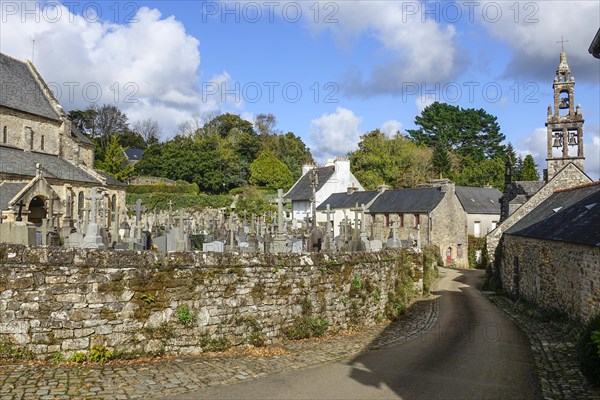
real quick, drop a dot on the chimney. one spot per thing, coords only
(342, 164)
(351, 189)
(306, 168)
(382, 188)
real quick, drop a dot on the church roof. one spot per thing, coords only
(570, 215)
(417, 200)
(76, 133)
(21, 91)
(478, 200)
(302, 189)
(345, 200)
(8, 190)
(19, 162)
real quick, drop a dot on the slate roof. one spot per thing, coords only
(76, 133)
(417, 200)
(19, 162)
(302, 190)
(571, 215)
(134, 154)
(523, 188)
(478, 200)
(21, 91)
(8, 190)
(110, 180)
(345, 200)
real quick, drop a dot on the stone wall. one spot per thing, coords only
(61, 300)
(16, 124)
(558, 276)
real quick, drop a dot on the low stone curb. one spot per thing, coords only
(553, 352)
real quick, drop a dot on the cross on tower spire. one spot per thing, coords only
(562, 43)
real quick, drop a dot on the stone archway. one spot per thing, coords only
(37, 210)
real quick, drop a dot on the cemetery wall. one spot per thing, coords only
(558, 276)
(67, 300)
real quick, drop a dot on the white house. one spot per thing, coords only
(334, 177)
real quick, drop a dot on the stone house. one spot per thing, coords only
(46, 164)
(551, 256)
(334, 177)
(482, 206)
(427, 215)
(564, 142)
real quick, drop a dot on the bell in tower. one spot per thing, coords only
(564, 123)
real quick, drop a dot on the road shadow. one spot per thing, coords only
(469, 351)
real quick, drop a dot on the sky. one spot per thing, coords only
(329, 71)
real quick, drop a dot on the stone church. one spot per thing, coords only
(46, 165)
(564, 125)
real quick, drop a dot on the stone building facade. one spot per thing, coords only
(46, 164)
(552, 255)
(428, 215)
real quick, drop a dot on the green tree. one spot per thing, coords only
(530, 170)
(467, 132)
(480, 173)
(442, 165)
(115, 162)
(268, 171)
(396, 161)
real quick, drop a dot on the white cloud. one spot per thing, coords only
(335, 134)
(532, 29)
(418, 50)
(148, 67)
(391, 127)
(424, 101)
(535, 144)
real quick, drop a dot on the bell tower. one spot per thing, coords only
(564, 125)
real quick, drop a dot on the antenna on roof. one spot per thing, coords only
(32, 50)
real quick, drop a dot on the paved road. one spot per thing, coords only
(473, 352)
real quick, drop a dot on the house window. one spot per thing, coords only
(494, 224)
(31, 140)
(42, 143)
(5, 135)
(386, 219)
(80, 205)
(477, 228)
(459, 251)
(401, 220)
(416, 220)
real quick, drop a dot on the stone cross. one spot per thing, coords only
(139, 209)
(329, 211)
(93, 205)
(280, 202)
(356, 210)
(181, 218)
(2, 216)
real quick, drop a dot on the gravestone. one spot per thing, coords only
(216, 246)
(92, 238)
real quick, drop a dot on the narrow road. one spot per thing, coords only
(473, 352)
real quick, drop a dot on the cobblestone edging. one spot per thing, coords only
(171, 377)
(554, 354)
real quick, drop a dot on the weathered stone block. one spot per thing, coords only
(75, 344)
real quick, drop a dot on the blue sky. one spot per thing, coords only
(329, 71)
